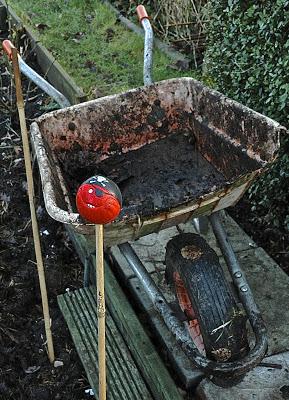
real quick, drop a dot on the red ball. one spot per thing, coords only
(99, 200)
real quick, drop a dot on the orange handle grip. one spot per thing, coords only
(7, 47)
(141, 12)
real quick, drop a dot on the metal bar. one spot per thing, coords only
(148, 52)
(234, 267)
(43, 84)
(228, 370)
(201, 224)
(240, 281)
(155, 294)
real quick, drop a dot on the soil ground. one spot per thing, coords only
(25, 372)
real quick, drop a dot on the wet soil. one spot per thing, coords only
(153, 178)
(25, 372)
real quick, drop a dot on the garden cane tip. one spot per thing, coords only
(7, 47)
(141, 12)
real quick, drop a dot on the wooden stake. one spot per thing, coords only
(31, 196)
(100, 311)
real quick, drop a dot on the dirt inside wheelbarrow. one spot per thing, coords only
(153, 178)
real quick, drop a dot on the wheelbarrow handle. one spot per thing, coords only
(35, 77)
(7, 46)
(148, 44)
(141, 12)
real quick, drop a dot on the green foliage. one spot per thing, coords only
(247, 58)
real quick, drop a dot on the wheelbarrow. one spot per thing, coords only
(179, 151)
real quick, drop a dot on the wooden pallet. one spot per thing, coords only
(124, 380)
(135, 370)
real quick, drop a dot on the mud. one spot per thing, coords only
(155, 177)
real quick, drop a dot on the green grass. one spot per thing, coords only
(96, 50)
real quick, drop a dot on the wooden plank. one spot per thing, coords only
(147, 359)
(123, 378)
(153, 369)
(51, 69)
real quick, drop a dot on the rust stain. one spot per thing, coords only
(234, 139)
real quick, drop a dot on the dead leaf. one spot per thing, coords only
(180, 65)
(5, 197)
(17, 150)
(58, 363)
(89, 18)
(32, 369)
(41, 27)
(90, 65)
(78, 36)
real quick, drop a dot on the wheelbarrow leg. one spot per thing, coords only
(201, 225)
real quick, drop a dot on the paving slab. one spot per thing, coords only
(270, 286)
(151, 249)
(239, 239)
(262, 383)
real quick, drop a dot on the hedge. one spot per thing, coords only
(247, 58)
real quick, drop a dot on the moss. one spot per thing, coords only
(87, 40)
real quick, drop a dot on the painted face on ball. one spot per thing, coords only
(99, 200)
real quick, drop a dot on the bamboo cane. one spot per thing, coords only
(31, 196)
(100, 311)
(99, 201)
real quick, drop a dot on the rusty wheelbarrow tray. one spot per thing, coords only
(237, 141)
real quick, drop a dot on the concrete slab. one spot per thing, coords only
(239, 239)
(270, 286)
(263, 383)
(151, 249)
